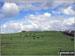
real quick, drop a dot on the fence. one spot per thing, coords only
(66, 53)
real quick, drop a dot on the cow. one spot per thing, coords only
(11, 38)
(38, 37)
(33, 37)
(26, 35)
(42, 36)
(72, 39)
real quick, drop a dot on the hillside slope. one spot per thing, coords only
(45, 43)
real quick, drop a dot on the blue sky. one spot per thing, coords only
(19, 15)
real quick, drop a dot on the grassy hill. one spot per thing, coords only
(48, 43)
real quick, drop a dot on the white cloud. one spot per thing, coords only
(68, 11)
(69, 21)
(9, 10)
(11, 7)
(41, 4)
(47, 14)
(11, 27)
(39, 23)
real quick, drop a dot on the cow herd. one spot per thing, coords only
(27, 35)
(34, 37)
(69, 33)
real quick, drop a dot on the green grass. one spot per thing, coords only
(50, 44)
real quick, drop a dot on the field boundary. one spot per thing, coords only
(66, 53)
(29, 55)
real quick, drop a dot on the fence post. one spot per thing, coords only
(60, 53)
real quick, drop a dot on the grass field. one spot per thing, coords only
(48, 43)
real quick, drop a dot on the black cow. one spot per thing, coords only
(11, 38)
(42, 36)
(26, 35)
(72, 39)
(38, 37)
(33, 37)
(69, 34)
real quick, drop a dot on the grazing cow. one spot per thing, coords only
(26, 35)
(68, 33)
(72, 39)
(71, 34)
(64, 33)
(33, 37)
(11, 38)
(38, 37)
(42, 36)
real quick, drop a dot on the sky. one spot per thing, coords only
(36, 15)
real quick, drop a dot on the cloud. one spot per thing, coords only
(39, 23)
(47, 14)
(9, 10)
(68, 11)
(11, 27)
(40, 4)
